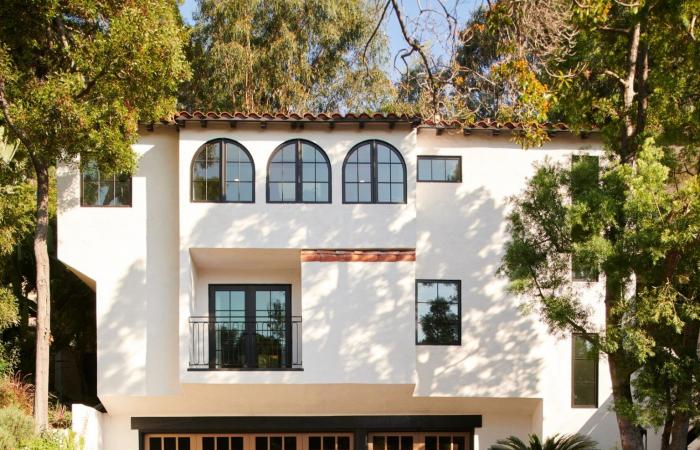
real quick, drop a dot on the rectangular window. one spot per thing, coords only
(584, 371)
(438, 312)
(98, 188)
(419, 441)
(445, 169)
(585, 171)
(250, 326)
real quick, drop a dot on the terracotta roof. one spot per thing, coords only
(289, 117)
(181, 117)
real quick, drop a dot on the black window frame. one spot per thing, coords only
(251, 351)
(434, 157)
(299, 181)
(114, 176)
(374, 175)
(596, 369)
(222, 171)
(459, 310)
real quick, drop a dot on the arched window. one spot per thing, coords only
(299, 172)
(223, 159)
(374, 172)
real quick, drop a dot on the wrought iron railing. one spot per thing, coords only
(220, 343)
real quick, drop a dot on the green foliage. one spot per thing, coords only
(285, 55)
(54, 440)
(556, 442)
(16, 428)
(77, 76)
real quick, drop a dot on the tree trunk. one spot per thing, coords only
(630, 436)
(43, 296)
(679, 432)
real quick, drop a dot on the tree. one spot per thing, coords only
(630, 70)
(75, 78)
(284, 55)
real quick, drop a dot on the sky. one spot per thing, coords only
(437, 35)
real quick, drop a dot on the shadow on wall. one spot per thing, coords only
(602, 426)
(360, 315)
(498, 356)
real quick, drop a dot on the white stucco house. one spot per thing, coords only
(320, 282)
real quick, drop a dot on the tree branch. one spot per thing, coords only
(374, 33)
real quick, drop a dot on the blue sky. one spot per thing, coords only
(459, 8)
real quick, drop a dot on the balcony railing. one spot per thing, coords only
(245, 343)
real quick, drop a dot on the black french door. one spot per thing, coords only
(250, 326)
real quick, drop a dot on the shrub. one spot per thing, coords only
(16, 391)
(54, 440)
(556, 442)
(59, 416)
(16, 427)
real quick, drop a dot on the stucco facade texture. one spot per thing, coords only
(151, 266)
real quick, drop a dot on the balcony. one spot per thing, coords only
(245, 343)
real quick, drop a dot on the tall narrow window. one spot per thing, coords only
(299, 172)
(584, 181)
(438, 312)
(374, 172)
(584, 371)
(223, 171)
(99, 188)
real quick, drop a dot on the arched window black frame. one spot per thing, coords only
(376, 165)
(108, 190)
(220, 193)
(279, 165)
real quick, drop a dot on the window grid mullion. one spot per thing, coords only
(299, 179)
(375, 172)
(222, 172)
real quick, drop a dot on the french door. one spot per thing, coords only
(250, 326)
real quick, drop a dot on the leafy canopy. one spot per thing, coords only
(285, 55)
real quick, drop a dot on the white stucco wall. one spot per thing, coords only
(151, 265)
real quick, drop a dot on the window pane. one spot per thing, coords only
(395, 157)
(289, 153)
(289, 172)
(275, 172)
(427, 291)
(363, 154)
(314, 443)
(245, 172)
(275, 192)
(199, 190)
(383, 192)
(444, 442)
(90, 193)
(364, 173)
(329, 443)
(288, 192)
(585, 368)
(396, 193)
(290, 443)
(396, 173)
(406, 442)
(322, 192)
(350, 172)
(213, 191)
(208, 443)
(321, 172)
(309, 192)
(430, 443)
(245, 191)
(170, 443)
(458, 443)
(383, 154)
(437, 313)
(261, 443)
(378, 443)
(237, 443)
(383, 173)
(275, 442)
(392, 443)
(199, 170)
(308, 172)
(424, 169)
(343, 443)
(232, 192)
(364, 193)
(350, 193)
(155, 443)
(452, 170)
(183, 443)
(439, 170)
(447, 291)
(309, 153)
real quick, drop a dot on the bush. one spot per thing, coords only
(16, 391)
(54, 440)
(16, 427)
(59, 416)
